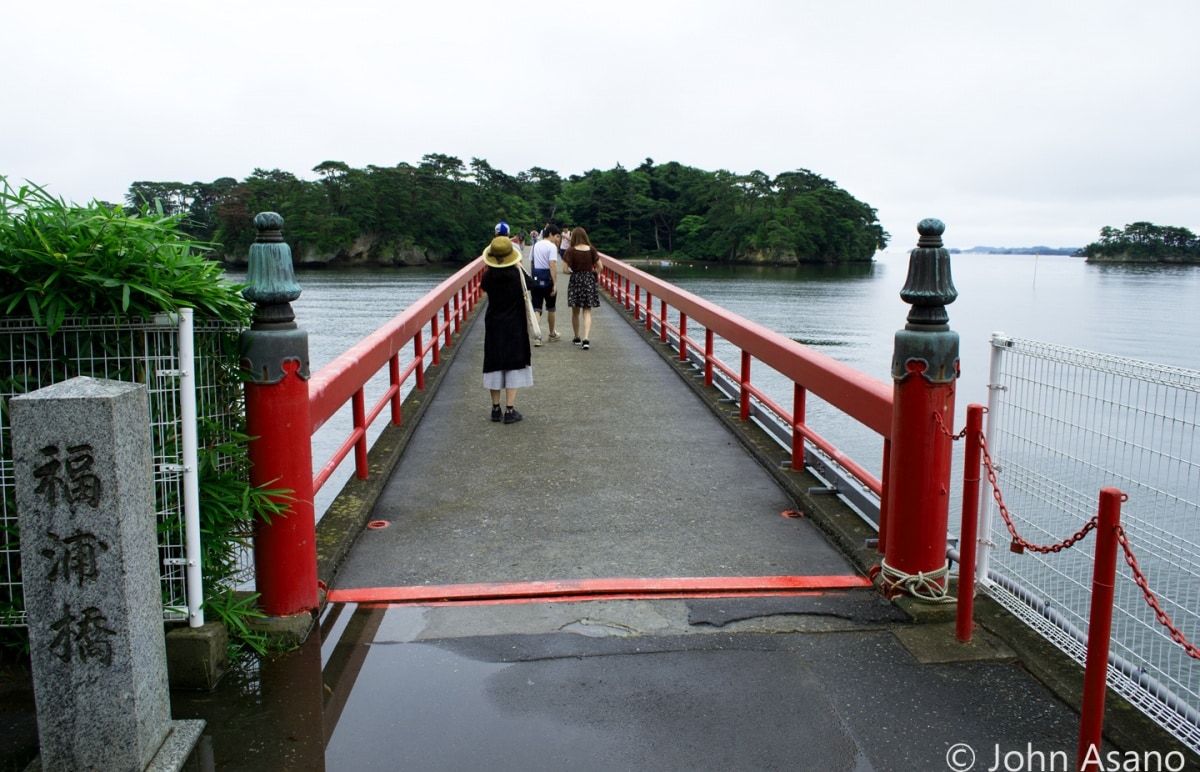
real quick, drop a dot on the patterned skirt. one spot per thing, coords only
(583, 290)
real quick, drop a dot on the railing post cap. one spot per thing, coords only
(270, 227)
(270, 278)
(930, 230)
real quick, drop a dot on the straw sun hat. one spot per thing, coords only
(501, 253)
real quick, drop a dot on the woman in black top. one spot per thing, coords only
(507, 362)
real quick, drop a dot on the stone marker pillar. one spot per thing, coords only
(83, 469)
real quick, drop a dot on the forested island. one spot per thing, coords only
(1144, 242)
(443, 210)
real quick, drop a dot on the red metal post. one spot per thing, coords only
(358, 407)
(435, 340)
(649, 311)
(394, 380)
(744, 388)
(682, 337)
(799, 400)
(884, 497)
(285, 549)
(446, 322)
(275, 359)
(1104, 577)
(920, 474)
(924, 368)
(637, 302)
(969, 535)
(662, 321)
(419, 356)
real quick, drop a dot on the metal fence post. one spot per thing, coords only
(189, 436)
(277, 420)
(924, 368)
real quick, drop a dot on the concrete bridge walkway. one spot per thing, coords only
(617, 470)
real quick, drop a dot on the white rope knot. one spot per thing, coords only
(929, 586)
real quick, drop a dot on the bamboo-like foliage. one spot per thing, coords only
(59, 259)
(63, 262)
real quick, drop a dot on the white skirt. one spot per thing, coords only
(509, 379)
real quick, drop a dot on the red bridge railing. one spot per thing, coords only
(863, 398)
(344, 379)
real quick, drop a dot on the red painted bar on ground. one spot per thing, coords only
(721, 586)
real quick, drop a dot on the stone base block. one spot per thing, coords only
(284, 633)
(182, 737)
(197, 657)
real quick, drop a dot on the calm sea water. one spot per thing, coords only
(850, 313)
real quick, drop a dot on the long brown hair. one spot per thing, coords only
(579, 237)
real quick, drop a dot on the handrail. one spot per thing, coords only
(343, 380)
(866, 399)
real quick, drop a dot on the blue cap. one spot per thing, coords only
(501, 228)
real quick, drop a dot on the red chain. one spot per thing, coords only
(1163, 618)
(937, 417)
(1020, 545)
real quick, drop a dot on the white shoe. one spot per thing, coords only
(537, 341)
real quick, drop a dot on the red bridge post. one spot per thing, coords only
(924, 368)
(277, 419)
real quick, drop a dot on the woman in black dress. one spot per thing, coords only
(507, 364)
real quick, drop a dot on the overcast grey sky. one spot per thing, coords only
(1018, 123)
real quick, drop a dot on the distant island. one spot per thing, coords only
(1139, 242)
(1145, 242)
(1018, 251)
(445, 210)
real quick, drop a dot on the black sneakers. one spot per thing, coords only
(496, 412)
(511, 416)
(586, 344)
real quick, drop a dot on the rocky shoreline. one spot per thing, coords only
(1126, 258)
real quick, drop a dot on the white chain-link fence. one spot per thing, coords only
(145, 352)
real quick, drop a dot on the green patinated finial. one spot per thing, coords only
(272, 281)
(931, 230)
(929, 287)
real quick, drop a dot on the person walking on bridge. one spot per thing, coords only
(583, 288)
(507, 357)
(543, 261)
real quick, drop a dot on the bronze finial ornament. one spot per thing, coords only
(929, 287)
(272, 281)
